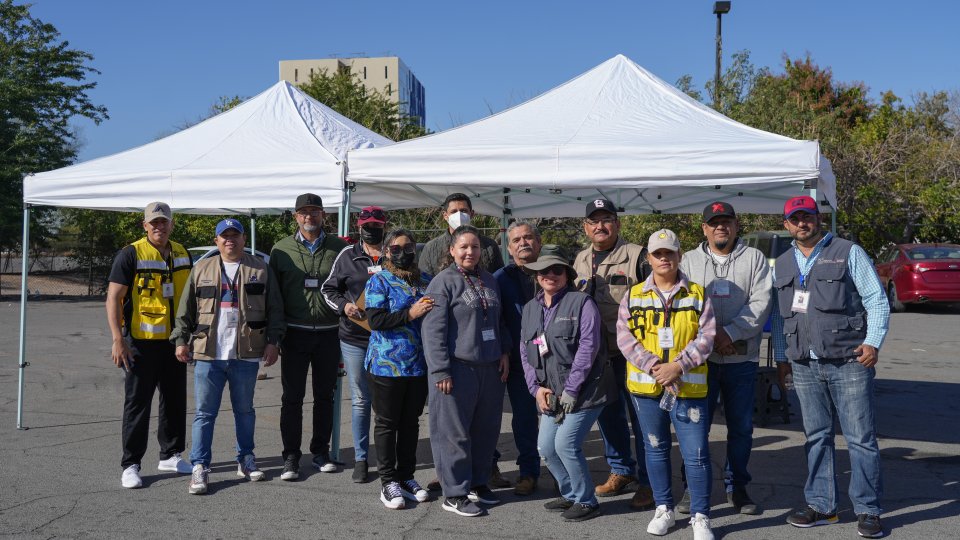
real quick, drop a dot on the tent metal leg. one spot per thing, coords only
(253, 233)
(22, 363)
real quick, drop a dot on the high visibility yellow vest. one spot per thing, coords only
(647, 316)
(152, 316)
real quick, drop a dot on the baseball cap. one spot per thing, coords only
(371, 214)
(717, 209)
(801, 203)
(156, 210)
(663, 239)
(551, 254)
(227, 224)
(308, 199)
(601, 204)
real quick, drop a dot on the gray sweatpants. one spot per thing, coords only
(465, 425)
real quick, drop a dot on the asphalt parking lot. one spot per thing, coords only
(60, 478)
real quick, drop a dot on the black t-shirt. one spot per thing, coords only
(123, 272)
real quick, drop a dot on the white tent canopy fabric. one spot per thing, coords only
(257, 156)
(616, 132)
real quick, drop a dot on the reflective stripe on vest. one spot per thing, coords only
(153, 328)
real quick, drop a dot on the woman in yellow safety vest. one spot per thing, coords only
(665, 330)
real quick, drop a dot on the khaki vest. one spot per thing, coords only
(152, 316)
(615, 275)
(252, 299)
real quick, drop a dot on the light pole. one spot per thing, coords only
(719, 8)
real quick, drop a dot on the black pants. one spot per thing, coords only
(155, 367)
(397, 405)
(302, 350)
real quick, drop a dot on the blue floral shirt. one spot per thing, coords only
(397, 352)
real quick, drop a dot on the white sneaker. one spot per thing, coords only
(248, 469)
(175, 464)
(662, 520)
(198, 480)
(701, 527)
(130, 478)
(391, 496)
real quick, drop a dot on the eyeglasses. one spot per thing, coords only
(557, 270)
(310, 213)
(397, 250)
(714, 223)
(375, 214)
(601, 221)
(801, 217)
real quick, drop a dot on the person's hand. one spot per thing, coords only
(270, 355)
(866, 355)
(783, 369)
(567, 402)
(446, 385)
(420, 308)
(351, 310)
(183, 354)
(504, 367)
(667, 374)
(542, 402)
(121, 355)
(723, 344)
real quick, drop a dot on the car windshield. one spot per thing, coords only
(931, 252)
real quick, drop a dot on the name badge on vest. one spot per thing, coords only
(231, 317)
(665, 337)
(168, 290)
(800, 299)
(721, 288)
(373, 269)
(311, 282)
(541, 342)
(488, 334)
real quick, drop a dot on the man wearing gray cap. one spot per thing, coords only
(144, 289)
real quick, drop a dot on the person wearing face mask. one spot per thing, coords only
(395, 366)
(457, 211)
(342, 290)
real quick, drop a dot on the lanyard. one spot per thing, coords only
(478, 292)
(231, 284)
(313, 258)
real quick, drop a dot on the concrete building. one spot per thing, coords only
(387, 75)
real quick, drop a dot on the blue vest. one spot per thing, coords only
(835, 322)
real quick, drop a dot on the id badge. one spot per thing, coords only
(488, 334)
(721, 288)
(231, 316)
(542, 345)
(665, 338)
(800, 299)
(311, 282)
(168, 290)
(373, 269)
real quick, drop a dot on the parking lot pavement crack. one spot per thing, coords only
(414, 530)
(73, 507)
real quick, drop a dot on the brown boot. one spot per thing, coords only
(642, 499)
(615, 485)
(496, 479)
(526, 485)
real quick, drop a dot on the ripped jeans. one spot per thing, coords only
(689, 418)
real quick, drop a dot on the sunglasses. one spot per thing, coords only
(375, 214)
(397, 250)
(310, 213)
(557, 270)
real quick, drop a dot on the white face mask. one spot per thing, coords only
(458, 219)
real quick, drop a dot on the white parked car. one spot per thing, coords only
(202, 252)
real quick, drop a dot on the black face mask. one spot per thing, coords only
(369, 235)
(402, 260)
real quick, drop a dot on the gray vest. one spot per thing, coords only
(836, 321)
(563, 341)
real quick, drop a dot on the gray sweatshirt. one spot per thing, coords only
(744, 311)
(454, 329)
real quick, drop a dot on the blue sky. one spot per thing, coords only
(165, 63)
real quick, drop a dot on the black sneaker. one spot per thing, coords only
(360, 472)
(291, 469)
(683, 507)
(434, 485)
(461, 506)
(808, 517)
(482, 494)
(868, 526)
(557, 505)
(742, 503)
(580, 512)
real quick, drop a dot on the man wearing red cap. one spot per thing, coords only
(830, 317)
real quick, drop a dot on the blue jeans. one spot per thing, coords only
(209, 379)
(692, 427)
(524, 422)
(353, 358)
(616, 432)
(562, 449)
(845, 389)
(734, 384)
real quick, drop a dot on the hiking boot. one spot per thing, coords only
(323, 463)
(496, 479)
(869, 526)
(410, 489)
(580, 512)
(482, 494)
(662, 521)
(175, 464)
(808, 517)
(199, 479)
(391, 496)
(742, 503)
(461, 506)
(525, 485)
(557, 505)
(130, 478)
(701, 527)
(291, 469)
(683, 507)
(615, 485)
(360, 472)
(642, 499)
(247, 468)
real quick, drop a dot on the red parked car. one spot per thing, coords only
(919, 273)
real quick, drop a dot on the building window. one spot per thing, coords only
(385, 76)
(296, 75)
(389, 89)
(364, 72)
(311, 73)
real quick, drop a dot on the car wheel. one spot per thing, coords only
(896, 305)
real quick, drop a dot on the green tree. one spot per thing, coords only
(43, 85)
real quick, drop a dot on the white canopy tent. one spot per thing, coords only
(616, 132)
(256, 157)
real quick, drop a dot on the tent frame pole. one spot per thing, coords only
(253, 233)
(343, 230)
(22, 363)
